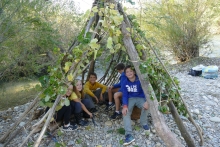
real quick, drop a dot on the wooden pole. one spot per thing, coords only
(162, 129)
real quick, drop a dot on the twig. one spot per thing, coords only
(36, 144)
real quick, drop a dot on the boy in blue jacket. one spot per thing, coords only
(116, 89)
(133, 95)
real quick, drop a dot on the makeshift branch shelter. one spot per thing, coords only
(112, 32)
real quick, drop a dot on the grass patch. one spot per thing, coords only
(17, 93)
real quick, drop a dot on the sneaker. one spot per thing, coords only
(83, 123)
(116, 115)
(146, 129)
(128, 139)
(109, 107)
(69, 128)
(93, 110)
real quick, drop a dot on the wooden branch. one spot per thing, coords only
(20, 119)
(42, 119)
(89, 24)
(162, 129)
(36, 144)
(199, 130)
(29, 135)
(16, 132)
(188, 139)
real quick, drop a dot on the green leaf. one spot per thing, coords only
(59, 132)
(117, 46)
(78, 141)
(70, 77)
(137, 128)
(109, 43)
(121, 131)
(58, 144)
(47, 98)
(67, 66)
(66, 102)
(93, 44)
(58, 107)
(121, 142)
(110, 131)
(117, 19)
(95, 54)
(95, 9)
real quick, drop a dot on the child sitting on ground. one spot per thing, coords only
(91, 89)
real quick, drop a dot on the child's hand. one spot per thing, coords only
(101, 98)
(124, 111)
(97, 100)
(146, 106)
(90, 114)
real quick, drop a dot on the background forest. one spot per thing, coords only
(30, 30)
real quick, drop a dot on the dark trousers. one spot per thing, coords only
(87, 103)
(75, 107)
(63, 114)
(97, 94)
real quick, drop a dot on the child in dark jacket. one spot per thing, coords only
(133, 95)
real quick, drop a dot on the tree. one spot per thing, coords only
(180, 26)
(29, 32)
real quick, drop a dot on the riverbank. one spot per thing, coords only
(201, 95)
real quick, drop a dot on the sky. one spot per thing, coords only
(87, 4)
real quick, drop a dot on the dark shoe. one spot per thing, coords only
(69, 128)
(93, 110)
(116, 115)
(82, 123)
(109, 107)
(128, 139)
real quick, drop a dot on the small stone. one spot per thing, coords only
(108, 123)
(108, 135)
(9, 109)
(109, 145)
(132, 123)
(87, 136)
(196, 111)
(199, 116)
(22, 124)
(16, 108)
(153, 131)
(215, 119)
(158, 144)
(70, 142)
(138, 121)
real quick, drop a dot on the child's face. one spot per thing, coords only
(129, 73)
(92, 79)
(69, 90)
(79, 85)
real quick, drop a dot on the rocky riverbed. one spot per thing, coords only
(201, 95)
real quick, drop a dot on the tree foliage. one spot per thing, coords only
(180, 26)
(29, 32)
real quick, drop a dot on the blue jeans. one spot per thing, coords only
(127, 118)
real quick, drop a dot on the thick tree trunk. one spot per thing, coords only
(162, 130)
(183, 131)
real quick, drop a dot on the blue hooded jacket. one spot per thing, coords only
(121, 78)
(131, 90)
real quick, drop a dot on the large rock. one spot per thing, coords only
(215, 119)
